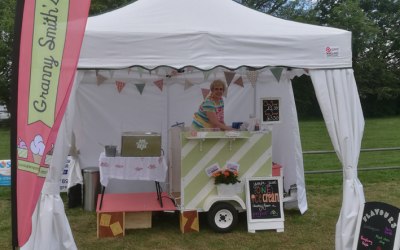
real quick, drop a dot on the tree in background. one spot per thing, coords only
(7, 16)
(376, 48)
(101, 6)
(373, 23)
(7, 12)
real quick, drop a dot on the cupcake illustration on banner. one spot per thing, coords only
(37, 148)
(49, 155)
(22, 149)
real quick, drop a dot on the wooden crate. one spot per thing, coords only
(110, 224)
(135, 220)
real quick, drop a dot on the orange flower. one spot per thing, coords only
(215, 174)
(226, 176)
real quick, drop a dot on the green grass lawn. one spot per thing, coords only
(313, 230)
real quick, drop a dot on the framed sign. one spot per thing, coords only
(270, 110)
(377, 227)
(264, 203)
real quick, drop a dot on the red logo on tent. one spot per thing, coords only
(328, 50)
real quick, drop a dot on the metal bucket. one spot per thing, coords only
(111, 151)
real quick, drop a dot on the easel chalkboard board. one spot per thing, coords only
(264, 203)
(377, 227)
(270, 110)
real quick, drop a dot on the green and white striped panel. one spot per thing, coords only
(253, 154)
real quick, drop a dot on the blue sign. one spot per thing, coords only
(5, 172)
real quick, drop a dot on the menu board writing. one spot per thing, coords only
(378, 226)
(264, 199)
(270, 110)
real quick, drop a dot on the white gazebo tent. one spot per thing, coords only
(186, 44)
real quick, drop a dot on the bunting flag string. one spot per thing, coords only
(277, 72)
(205, 92)
(120, 85)
(140, 87)
(229, 75)
(252, 75)
(100, 78)
(159, 84)
(239, 82)
(188, 84)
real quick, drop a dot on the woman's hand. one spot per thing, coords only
(212, 117)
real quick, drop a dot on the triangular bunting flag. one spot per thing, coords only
(120, 85)
(100, 78)
(111, 73)
(277, 72)
(206, 74)
(159, 83)
(252, 75)
(229, 76)
(205, 92)
(188, 84)
(174, 72)
(140, 87)
(239, 82)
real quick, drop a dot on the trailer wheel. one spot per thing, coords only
(222, 217)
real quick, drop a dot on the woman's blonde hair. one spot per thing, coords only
(217, 83)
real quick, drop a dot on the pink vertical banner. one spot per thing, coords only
(51, 39)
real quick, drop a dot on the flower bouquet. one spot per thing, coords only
(225, 176)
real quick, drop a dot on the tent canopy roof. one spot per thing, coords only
(205, 34)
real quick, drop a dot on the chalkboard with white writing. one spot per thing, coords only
(270, 110)
(378, 226)
(265, 201)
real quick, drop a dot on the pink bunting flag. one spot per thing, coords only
(252, 75)
(159, 84)
(205, 92)
(173, 72)
(100, 78)
(120, 85)
(229, 76)
(239, 82)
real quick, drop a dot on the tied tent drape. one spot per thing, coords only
(338, 98)
(51, 229)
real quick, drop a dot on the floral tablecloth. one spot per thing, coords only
(132, 168)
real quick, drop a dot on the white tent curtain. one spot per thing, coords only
(338, 98)
(50, 226)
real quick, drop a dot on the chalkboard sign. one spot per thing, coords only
(264, 205)
(377, 227)
(270, 110)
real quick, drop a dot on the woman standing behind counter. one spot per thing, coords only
(211, 110)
